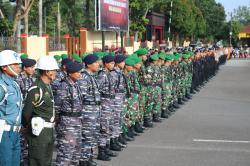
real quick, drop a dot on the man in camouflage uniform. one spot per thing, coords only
(153, 82)
(25, 80)
(107, 90)
(175, 77)
(91, 110)
(69, 117)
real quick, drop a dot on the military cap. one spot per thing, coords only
(77, 58)
(66, 61)
(64, 56)
(185, 56)
(24, 56)
(142, 51)
(91, 58)
(154, 57)
(130, 61)
(112, 53)
(136, 58)
(28, 62)
(108, 59)
(162, 55)
(73, 67)
(57, 57)
(176, 57)
(120, 58)
(169, 57)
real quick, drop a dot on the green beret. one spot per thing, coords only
(162, 55)
(185, 56)
(136, 58)
(104, 53)
(176, 57)
(64, 56)
(77, 58)
(24, 56)
(84, 55)
(169, 57)
(142, 51)
(130, 61)
(57, 57)
(154, 57)
(112, 53)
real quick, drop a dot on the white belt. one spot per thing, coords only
(7, 127)
(48, 125)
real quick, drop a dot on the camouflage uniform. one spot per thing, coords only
(166, 86)
(69, 132)
(106, 88)
(90, 114)
(175, 78)
(25, 82)
(120, 92)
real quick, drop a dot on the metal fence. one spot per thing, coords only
(11, 43)
(56, 44)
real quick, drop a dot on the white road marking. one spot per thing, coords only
(221, 141)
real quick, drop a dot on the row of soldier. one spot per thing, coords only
(100, 100)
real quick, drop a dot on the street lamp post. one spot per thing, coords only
(170, 21)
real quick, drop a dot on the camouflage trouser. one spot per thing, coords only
(126, 122)
(175, 90)
(189, 82)
(157, 100)
(142, 103)
(69, 141)
(118, 108)
(179, 88)
(149, 102)
(90, 130)
(166, 95)
(24, 150)
(133, 108)
(106, 121)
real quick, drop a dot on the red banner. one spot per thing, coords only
(113, 15)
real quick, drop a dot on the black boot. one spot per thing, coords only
(130, 133)
(147, 122)
(164, 113)
(188, 96)
(120, 144)
(138, 128)
(171, 108)
(180, 101)
(122, 140)
(114, 146)
(102, 155)
(156, 118)
(128, 138)
(176, 105)
(91, 162)
(109, 152)
(83, 163)
(133, 131)
(184, 99)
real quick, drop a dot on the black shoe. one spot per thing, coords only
(122, 140)
(134, 132)
(83, 163)
(171, 108)
(114, 146)
(156, 118)
(188, 96)
(102, 155)
(130, 133)
(180, 101)
(119, 144)
(184, 99)
(128, 138)
(176, 105)
(148, 123)
(138, 128)
(109, 152)
(91, 162)
(164, 113)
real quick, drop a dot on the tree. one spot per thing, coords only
(22, 11)
(242, 14)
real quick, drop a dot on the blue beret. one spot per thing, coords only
(66, 61)
(108, 58)
(73, 67)
(120, 58)
(28, 62)
(91, 58)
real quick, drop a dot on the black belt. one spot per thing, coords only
(71, 114)
(120, 91)
(91, 102)
(108, 96)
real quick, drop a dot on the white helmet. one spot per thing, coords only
(47, 63)
(8, 57)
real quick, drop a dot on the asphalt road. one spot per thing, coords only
(212, 129)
